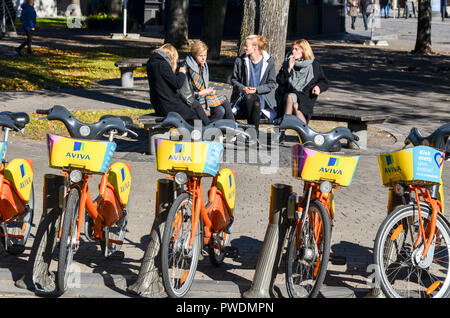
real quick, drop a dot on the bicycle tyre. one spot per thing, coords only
(17, 245)
(395, 256)
(177, 287)
(68, 235)
(299, 261)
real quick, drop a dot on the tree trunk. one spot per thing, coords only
(273, 26)
(212, 30)
(423, 39)
(177, 26)
(248, 22)
(114, 7)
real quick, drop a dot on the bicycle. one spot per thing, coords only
(412, 246)
(80, 157)
(191, 224)
(312, 214)
(16, 189)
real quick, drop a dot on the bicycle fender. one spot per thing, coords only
(119, 176)
(20, 173)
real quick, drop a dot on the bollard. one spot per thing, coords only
(37, 276)
(270, 255)
(149, 282)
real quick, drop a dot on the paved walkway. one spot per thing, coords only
(404, 86)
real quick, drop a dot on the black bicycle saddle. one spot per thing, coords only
(439, 139)
(329, 141)
(19, 120)
(80, 130)
(174, 120)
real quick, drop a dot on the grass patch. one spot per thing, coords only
(46, 23)
(54, 68)
(38, 129)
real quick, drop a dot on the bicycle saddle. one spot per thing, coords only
(80, 130)
(439, 139)
(174, 120)
(328, 142)
(19, 120)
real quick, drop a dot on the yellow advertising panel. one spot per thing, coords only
(314, 166)
(191, 157)
(418, 165)
(93, 156)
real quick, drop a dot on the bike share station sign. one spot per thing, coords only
(418, 163)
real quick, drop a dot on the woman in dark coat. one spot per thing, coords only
(301, 80)
(164, 82)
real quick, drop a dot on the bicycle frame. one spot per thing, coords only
(206, 211)
(105, 210)
(314, 193)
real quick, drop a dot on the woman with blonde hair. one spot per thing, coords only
(254, 82)
(164, 81)
(198, 75)
(301, 79)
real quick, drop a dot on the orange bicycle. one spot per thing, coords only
(16, 189)
(79, 160)
(192, 225)
(412, 246)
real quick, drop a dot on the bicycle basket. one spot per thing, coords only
(420, 165)
(314, 166)
(194, 158)
(92, 156)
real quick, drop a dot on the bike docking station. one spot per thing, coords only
(282, 199)
(150, 282)
(38, 276)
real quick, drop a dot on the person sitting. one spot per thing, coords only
(217, 106)
(301, 79)
(165, 81)
(254, 82)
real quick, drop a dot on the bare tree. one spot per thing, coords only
(212, 29)
(423, 39)
(273, 24)
(177, 24)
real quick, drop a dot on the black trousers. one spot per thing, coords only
(250, 109)
(27, 42)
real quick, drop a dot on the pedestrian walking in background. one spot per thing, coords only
(354, 10)
(28, 19)
(363, 8)
(217, 106)
(443, 9)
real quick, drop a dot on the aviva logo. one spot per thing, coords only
(179, 154)
(25, 182)
(78, 147)
(22, 170)
(332, 162)
(390, 165)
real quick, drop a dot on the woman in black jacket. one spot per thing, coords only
(301, 80)
(164, 82)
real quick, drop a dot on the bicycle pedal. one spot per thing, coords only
(231, 252)
(338, 260)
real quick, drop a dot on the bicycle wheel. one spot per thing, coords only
(20, 228)
(68, 243)
(400, 270)
(308, 253)
(179, 262)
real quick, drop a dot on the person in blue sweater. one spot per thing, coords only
(28, 19)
